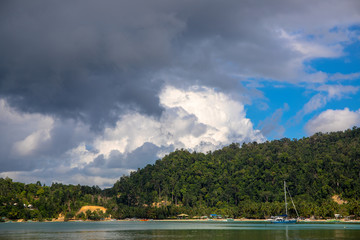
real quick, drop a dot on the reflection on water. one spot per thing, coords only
(176, 230)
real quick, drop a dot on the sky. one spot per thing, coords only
(92, 90)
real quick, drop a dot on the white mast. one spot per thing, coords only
(286, 212)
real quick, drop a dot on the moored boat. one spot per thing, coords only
(284, 218)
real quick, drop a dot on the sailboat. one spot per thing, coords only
(284, 218)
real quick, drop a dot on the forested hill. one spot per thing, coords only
(237, 181)
(315, 169)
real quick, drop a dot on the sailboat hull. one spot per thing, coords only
(284, 221)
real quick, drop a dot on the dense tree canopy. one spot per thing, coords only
(248, 178)
(34, 201)
(235, 181)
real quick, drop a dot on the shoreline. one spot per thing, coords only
(239, 220)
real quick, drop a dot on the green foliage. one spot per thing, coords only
(69, 215)
(95, 215)
(34, 201)
(235, 181)
(248, 179)
(81, 216)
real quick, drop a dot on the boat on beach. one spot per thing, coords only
(284, 218)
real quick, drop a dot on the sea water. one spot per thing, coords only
(175, 230)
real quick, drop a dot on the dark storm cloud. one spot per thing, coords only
(84, 65)
(83, 59)
(61, 136)
(93, 60)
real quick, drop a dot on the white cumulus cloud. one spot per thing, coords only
(326, 94)
(333, 120)
(25, 133)
(198, 119)
(49, 149)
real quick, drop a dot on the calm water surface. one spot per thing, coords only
(176, 230)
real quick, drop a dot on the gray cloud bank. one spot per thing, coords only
(92, 60)
(70, 70)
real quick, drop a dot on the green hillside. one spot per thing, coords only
(248, 180)
(39, 202)
(235, 181)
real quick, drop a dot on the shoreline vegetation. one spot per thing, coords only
(242, 220)
(237, 182)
